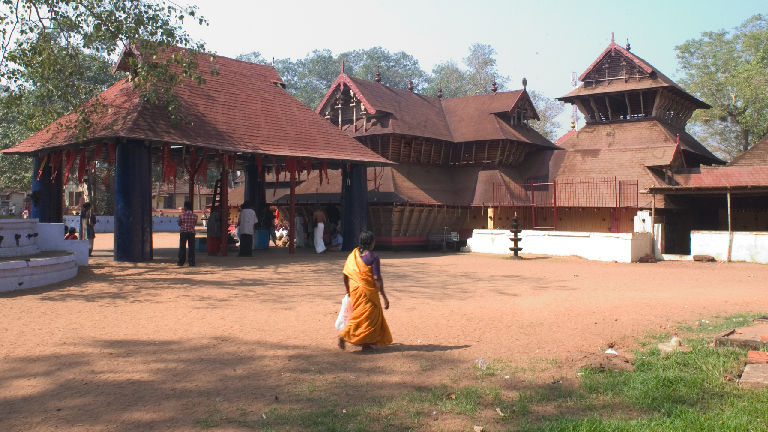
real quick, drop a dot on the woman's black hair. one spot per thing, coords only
(366, 241)
(87, 206)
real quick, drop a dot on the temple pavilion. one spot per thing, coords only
(448, 153)
(241, 119)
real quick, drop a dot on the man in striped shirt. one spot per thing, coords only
(187, 222)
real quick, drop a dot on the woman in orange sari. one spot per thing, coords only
(362, 278)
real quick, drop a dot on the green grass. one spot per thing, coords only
(678, 392)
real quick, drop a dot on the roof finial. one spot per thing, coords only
(525, 83)
(573, 124)
(493, 85)
(410, 83)
(440, 93)
(627, 44)
(378, 75)
(342, 66)
(612, 41)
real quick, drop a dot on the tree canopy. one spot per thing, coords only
(57, 54)
(729, 70)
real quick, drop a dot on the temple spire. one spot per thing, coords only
(440, 93)
(493, 86)
(342, 66)
(612, 41)
(378, 75)
(410, 83)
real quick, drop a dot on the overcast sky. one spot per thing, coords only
(543, 41)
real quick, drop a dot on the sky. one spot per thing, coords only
(543, 41)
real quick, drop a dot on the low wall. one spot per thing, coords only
(17, 237)
(36, 272)
(51, 238)
(749, 246)
(106, 224)
(620, 247)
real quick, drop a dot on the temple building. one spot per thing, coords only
(448, 155)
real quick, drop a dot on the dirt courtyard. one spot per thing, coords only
(140, 347)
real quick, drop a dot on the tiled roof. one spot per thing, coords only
(460, 119)
(757, 155)
(242, 109)
(723, 176)
(638, 134)
(654, 80)
(564, 137)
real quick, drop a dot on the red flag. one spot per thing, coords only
(55, 164)
(276, 168)
(258, 164)
(111, 154)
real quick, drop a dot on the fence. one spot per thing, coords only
(610, 198)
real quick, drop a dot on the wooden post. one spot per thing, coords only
(224, 205)
(730, 229)
(292, 222)
(653, 210)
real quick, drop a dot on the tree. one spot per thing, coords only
(309, 79)
(729, 70)
(548, 109)
(55, 55)
(477, 78)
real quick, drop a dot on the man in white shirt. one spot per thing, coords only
(246, 224)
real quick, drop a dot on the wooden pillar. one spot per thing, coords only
(133, 202)
(224, 206)
(47, 194)
(292, 211)
(354, 204)
(255, 191)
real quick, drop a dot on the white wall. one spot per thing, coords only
(106, 224)
(751, 246)
(51, 238)
(622, 247)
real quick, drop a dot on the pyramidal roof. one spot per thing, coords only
(617, 69)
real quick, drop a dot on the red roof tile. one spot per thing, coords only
(460, 119)
(723, 176)
(242, 109)
(757, 155)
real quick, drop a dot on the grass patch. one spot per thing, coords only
(678, 392)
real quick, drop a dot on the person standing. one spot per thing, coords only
(319, 220)
(246, 224)
(88, 226)
(187, 222)
(362, 279)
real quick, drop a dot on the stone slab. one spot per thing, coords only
(755, 376)
(757, 357)
(744, 337)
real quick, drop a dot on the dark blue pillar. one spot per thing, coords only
(354, 199)
(47, 194)
(133, 202)
(255, 191)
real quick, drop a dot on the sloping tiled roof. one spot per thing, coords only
(638, 134)
(723, 176)
(242, 109)
(757, 155)
(654, 80)
(460, 119)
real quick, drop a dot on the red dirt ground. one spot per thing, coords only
(139, 347)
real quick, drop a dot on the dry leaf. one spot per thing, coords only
(452, 396)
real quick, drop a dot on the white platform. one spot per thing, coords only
(620, 247)
(24, 245)
(106, 224)
(51, 238)
(751, 246)
(36, 272)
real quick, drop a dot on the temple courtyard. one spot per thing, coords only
(153, 346)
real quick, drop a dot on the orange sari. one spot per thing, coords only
(366, 324)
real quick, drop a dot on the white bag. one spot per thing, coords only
(344, 313)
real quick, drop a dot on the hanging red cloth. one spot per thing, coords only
(309, 168)
(55, 164)
(42, 165)
(258, 164)
(375, 180)
(324, 167)
(96, 155)
(202, 167)
(69, 160)
(81, 164)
